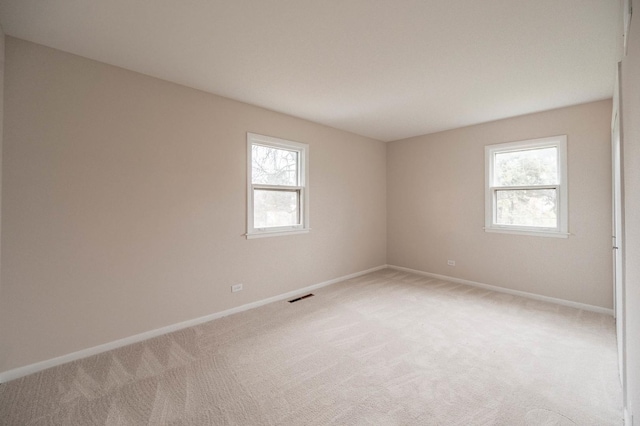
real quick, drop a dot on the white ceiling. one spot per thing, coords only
(387, 69)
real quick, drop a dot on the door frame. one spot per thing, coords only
(618, 228)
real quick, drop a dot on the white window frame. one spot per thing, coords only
(302, 188)
(562, 230)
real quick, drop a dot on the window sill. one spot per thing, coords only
(551, 234)
(280, 233)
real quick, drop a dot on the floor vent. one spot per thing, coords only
(301, 297)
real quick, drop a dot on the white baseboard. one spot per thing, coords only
(563, 302)
(43, 365)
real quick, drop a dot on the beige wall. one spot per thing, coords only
(124, 205)
(1, 136)
(435, 205)
(631, 147)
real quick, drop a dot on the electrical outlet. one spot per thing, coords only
(451, 262)
(236, 287)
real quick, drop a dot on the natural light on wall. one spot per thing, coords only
(526, 187)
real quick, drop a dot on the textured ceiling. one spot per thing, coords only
(387, 69)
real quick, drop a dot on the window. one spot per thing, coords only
(277, 193)
(526, 187)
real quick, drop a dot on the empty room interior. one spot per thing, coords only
(319, 212)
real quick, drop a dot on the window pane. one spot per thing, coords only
(527, 207)
(274, 166)
(527, 167)
(275, 208)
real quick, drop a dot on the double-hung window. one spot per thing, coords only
(526, 187)
(277, 193)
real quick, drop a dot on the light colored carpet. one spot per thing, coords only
(387, 348)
